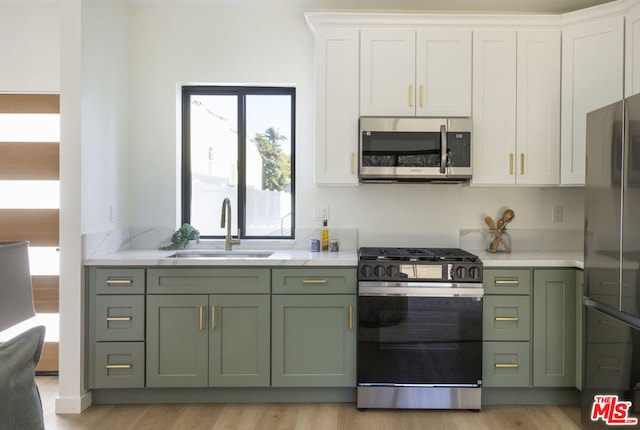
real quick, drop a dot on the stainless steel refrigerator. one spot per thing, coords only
(611, 328)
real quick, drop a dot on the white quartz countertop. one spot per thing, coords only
(531, 259)
(278, 258)
(341, 258)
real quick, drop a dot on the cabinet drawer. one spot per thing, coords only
(208, 281)
(609, 365)
(120, 281)
(119, 365)
(314, 281)
(119, 318)
(506, 364)
(506, 318)
(513, 281)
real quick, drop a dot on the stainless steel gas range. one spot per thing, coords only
(419, 328)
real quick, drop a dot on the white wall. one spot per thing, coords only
(169, 45)
(30, 48)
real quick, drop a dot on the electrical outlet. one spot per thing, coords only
(321, 213)
(556, 214)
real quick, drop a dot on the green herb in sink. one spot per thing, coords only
(180, 239)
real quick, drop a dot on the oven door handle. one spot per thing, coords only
(368, 291)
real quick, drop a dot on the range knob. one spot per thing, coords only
(474, 272)
(366, 271)
(393, 271)
(380, 271)
(461, 272)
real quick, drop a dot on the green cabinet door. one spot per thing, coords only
(177, 340)
(239, 340)
(313, 341)
(554, 328)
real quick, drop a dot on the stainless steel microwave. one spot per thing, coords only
(415, 149)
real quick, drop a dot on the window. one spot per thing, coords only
(238, 143)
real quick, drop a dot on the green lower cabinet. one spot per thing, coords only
(554, 328)
(506, 364)
(207, 340)
(177, 341)
(239, 341)
(313, 341)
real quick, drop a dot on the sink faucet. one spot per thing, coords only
(226, 216)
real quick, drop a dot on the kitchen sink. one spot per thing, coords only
(195, 253)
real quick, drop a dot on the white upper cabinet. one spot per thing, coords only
(494, 106)
(407, 72)
(443, 73)
(516, 107)
(538, 108)
(592, 77)
(337, 103)
(632, 55)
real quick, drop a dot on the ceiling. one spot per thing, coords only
(497, 6)
(484, 6)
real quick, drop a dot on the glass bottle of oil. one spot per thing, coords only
(324, 239)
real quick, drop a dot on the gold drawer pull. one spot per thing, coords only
(410, 95)
(119, 366)
(314, 281)
(353, 163)
(350, 317)
(609, 367)
(201, 325)
(213, 317)
(507, 319)
(507, 282)
(119, 281)
(510, 164)
(521, 163)
(119, 318)
(507, 365)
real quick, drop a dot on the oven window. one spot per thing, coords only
(401, 149)
(418, 340)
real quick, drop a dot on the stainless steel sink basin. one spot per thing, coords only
(196, 253)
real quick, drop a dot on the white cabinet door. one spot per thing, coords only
(443, 73)
(538, 108)
(337, 100)
(592, 77)
(494, 106)
(632, 57)
(387, 85)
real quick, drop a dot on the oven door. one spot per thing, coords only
(409, 340)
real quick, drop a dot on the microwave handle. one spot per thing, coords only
(443, 155)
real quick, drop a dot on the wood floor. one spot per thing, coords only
(298, 416)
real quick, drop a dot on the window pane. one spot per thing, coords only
(30, 195)
(268, 165)
(29, 127)
(214, 161)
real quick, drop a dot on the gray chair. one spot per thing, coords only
(20, 404)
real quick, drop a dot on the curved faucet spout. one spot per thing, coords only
(225, 218)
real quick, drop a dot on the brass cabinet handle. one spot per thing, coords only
(522, 163)
(507, 319)
(507, 282)
(119, 281)
(421, 95)
(353, 163)
(201, 326)
(119, 318)
(213, 317)
(119, 366)
(410, 95)
(350, 317)
(511, 164)
(314, 281)
(507, 365)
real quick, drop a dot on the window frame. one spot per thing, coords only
(241, 92)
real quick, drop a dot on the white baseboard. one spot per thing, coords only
(73, 405)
